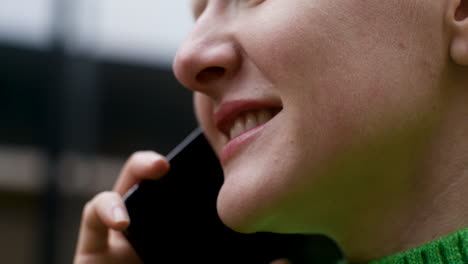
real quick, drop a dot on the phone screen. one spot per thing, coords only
(174, 219)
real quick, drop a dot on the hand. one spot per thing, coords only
(105, 216)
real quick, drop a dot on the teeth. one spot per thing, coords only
(238, 128)
(263, 116)
(249, 121)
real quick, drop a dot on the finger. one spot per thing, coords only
(105, 211)
(141, 165)
(121, 249)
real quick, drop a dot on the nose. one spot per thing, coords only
(209, 56)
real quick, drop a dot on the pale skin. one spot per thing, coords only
(368, 143)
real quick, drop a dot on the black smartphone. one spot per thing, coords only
(174, 219)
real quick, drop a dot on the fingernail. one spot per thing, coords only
(119, 215)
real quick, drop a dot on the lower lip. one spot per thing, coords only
(235, 144)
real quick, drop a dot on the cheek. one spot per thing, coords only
(353, 60)
(276, 38)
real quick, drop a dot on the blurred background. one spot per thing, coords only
(83, 84)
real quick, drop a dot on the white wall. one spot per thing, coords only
(143, 31)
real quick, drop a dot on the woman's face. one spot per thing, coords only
(312, 105)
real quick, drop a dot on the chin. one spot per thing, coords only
(259, 179)
(247, 205)
(236, 212)
(243, 207)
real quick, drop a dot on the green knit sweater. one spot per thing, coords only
(452, 249)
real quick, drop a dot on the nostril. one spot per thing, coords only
(210, 74)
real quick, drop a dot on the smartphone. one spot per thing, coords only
(174, 219)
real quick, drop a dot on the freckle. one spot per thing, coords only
(402, 45)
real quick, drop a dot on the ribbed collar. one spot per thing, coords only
(452, 249)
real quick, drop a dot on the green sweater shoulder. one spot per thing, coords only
(452, 249)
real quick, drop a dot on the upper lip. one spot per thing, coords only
(227, 113)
